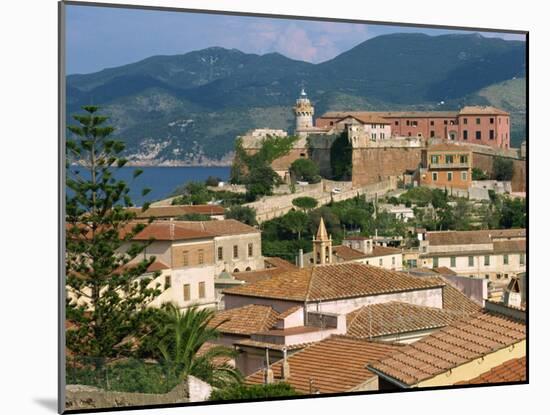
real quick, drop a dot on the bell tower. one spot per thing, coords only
(303, 110)
(322, 246)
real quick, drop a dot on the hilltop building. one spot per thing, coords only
(392, 144)
(472, 124)
(446, 166)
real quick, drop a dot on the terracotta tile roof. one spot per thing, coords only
(335, 281)
(444, 271)
(276, 262)
(289, 311)
(472, 237)
(250, 277)
(463, 341)
(508, 233)
(336, 364)
(252, 318)
(383, 250)
(501, 247)
(393, 114)
(365, 118)
(177, 210)
(219, 227)
(349, 254)
(513, 370)
(157, 266)
(396, 317)
(454, 300)
(168, 231)
(482, 110)
(218, 360)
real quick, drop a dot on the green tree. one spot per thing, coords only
(478, 174)
(254, 170)
(462, 216)
(306, 170)
(107, 297)
(261, 182)
(296, 222)
(439, 199)
(503, 169)
(192, 193)
(513, 213)
(305, 203)
(243, 214)
(243, 392)
(340, 158)
(212, 181)
(179, 337)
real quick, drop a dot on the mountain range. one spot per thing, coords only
(188, 109)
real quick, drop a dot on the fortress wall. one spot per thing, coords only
(484, 161)
(371, 165)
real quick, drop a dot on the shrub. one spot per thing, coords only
(240, 392)
(305, 169)
(503, 169)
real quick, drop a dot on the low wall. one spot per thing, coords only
(89, 397)
(271, 207)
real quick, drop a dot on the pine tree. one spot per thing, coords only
(107, 293)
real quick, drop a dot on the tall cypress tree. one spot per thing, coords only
(107, 293)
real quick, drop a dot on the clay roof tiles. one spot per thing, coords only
(347, 280)
(336, 364)
(513, 370)
(252, 318)
(219, 227)
(168, 231)
(481, 110)
(396, 317)
(472, 237)
(461, 342)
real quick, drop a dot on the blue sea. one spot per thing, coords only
(164, 180)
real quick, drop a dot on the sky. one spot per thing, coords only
(103, 37)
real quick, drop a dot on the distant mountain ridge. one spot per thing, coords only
(189, 108)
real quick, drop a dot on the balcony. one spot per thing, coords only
(448, 165)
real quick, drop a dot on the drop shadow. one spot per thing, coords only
(48, 403)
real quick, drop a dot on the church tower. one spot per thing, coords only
(322, 246)
(303, 110)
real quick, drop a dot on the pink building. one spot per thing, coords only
(472, 124)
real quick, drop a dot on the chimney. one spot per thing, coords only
(286, 366)
(269, 378)
(301, 258)
(172, 227)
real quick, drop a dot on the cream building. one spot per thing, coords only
(237, 246)
(497, 254)
(189, 255)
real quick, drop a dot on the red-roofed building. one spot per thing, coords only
(472, 124)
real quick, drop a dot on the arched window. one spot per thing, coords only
(236, 270)
(248, 269)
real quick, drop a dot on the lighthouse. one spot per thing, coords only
(303, 110)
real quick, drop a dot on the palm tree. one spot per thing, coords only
(182, 340)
